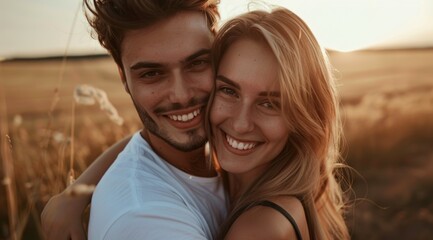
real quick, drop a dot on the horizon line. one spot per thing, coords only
(104, 55)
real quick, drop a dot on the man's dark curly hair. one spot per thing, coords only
(111, 18)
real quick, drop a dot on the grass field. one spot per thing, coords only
(387, 104)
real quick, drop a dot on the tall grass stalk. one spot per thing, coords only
(56, 96)
(71, 175)
(7, 162)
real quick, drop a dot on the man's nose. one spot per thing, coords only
(181, 91)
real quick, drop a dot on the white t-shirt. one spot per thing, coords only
(142, 196)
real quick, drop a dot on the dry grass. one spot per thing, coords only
(45, 147)
(387, 99)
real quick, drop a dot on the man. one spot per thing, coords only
(160, 186)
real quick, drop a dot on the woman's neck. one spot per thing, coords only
(239, 183)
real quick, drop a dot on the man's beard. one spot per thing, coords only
(195, 140)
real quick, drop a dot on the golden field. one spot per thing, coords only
(387, 107)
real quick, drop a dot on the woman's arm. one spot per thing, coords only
(62, 215)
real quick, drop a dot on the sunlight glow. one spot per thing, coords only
(342, 25)
(345, 25)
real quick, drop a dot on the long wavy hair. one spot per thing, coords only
(307, 166)
(111, 18)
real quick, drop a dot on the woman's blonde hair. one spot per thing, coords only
(306, 168)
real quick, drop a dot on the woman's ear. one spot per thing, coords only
(123, 78)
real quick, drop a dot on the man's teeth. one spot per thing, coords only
(185, 117)
(239, 145)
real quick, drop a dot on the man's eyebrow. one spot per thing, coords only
(262, 94)
(144, 64)
(197, 54)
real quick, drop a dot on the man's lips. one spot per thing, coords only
(184, 119)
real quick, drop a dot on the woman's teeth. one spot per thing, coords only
(238, 144)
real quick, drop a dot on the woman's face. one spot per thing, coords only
(249, 130)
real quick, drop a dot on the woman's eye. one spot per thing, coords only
(271, 105)
(228, 91)
(268, 105)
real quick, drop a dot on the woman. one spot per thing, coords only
(274, 130)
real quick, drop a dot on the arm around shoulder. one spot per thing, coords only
(62, 215)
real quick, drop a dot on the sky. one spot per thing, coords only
(41, 28)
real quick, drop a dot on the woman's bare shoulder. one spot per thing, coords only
(261, 222)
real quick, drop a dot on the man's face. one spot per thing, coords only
(168, 74)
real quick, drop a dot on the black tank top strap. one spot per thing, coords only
(285, 213)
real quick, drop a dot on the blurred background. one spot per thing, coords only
(382, 52)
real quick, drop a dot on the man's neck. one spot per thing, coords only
(192, 162)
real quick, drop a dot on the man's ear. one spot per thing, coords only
(123, 78)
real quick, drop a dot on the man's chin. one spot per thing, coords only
(182, 141)
(191, 145)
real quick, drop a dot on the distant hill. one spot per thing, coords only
(57, 58)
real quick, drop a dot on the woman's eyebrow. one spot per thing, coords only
(233, 83)
(270, 94)
(228, 81)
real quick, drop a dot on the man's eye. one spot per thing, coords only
(198, 64)
(151, 74)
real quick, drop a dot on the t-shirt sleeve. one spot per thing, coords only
(154, 222)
